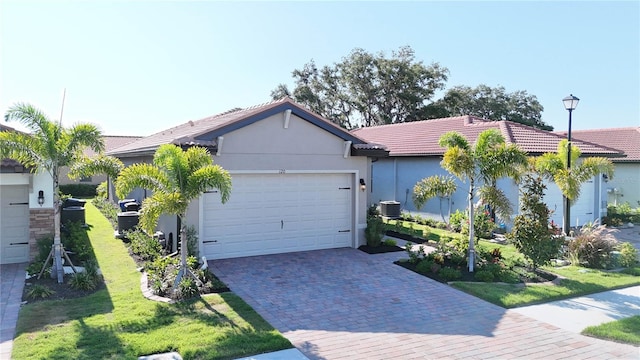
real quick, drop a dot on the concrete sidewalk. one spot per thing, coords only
(578, 313)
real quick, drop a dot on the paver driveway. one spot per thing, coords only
(345, 304)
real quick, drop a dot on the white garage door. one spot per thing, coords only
(276, 213)
(582, 211)
(14, 224)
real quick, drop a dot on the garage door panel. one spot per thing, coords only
(272, 213)
(14, 224)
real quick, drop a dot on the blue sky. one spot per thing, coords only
(138, 67)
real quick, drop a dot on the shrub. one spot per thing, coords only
(102, 190)
(621, 214)
(484, 276)
(456, 220)
(38, 291)
(425, 267)
(76, 240)
(628, 255)
(493, 268)
(635, 271)
(531, 234)
(186, 288)
(460, 244)
(82, 281)
(79, 190)
(374, 231)
(483, 225)
(192, 241)
(449, 274)
(143, 245)
(390, 242)
(592, 246)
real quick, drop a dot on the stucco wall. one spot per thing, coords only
(267, 146)
(625, 185)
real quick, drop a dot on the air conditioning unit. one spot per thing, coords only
(390, 209)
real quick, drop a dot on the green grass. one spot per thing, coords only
(579, 281)
(119, 323)
(624, 331)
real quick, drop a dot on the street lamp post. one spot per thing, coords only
(570, 103)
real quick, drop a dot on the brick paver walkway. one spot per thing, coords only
(345, 304)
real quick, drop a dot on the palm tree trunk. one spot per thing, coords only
(472, 250)
(57, 243)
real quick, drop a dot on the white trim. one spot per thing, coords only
(347, 148)
(287, 117)
(220, 141)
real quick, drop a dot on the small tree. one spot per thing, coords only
(531, 233)
(436, 185)
(489, 159)
(175, 177)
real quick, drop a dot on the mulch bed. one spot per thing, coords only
(538, 277)
(62, 291)
(380, 249)
(406, 237)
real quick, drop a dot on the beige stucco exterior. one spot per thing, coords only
(271, 145)
(625, 185)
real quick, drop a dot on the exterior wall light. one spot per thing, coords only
(363, 185)
(40, 197)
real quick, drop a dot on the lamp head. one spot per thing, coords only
(570, 102)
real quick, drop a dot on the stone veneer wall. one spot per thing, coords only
(40, 225)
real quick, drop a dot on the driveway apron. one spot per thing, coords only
(346, 304)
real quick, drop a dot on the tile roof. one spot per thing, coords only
(625, 139)
(204, 132)
(113, 142)
(420, 138)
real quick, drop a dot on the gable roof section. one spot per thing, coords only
(420, 138)
(204, 132)
(112, 142)
(625, 139)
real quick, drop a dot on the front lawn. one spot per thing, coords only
(578, 281)
(624, 331)
(119, 323)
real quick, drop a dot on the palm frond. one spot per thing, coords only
(497, 199)
(172, 160)
(459, 162)
(198, 157)
(144, 176)
(22, 148)
(28, 115)
(210, 177)
(85, 135)
(157, 204)
(487, 140)
(100, 164)
(453, 139)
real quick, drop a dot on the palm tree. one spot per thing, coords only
(436, 185)
(484, 163)
(48, 147)
(553, 166)
(175, 177)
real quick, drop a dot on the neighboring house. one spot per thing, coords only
(23, 217)
(110, 142)
(414, 154)
(296, 181)
(625, 185)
